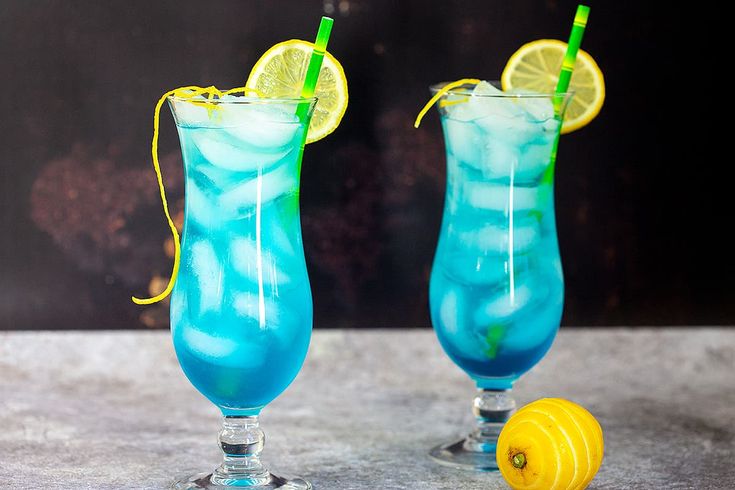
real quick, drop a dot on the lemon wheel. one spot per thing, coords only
(536, 66)
(280, 72)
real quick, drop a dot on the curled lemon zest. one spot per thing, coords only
(187, 92)
(445, 103)
(446, 88)
(210, 96)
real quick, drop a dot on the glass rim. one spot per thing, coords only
(466, 90)
(245, 99)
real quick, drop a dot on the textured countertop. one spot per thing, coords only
(110, 410)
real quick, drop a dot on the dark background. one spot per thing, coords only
(641, 195)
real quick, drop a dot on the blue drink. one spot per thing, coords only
(241, 308)
(496, 290)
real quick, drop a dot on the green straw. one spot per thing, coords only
(570, 57)
(315, 63)
(312, 75)
(565, 76)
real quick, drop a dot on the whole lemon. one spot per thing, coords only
(550, 444)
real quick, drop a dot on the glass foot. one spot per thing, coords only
(457, 455)
(266, 481)
(476, 452)
(241, 441)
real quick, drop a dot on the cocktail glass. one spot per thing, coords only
(496, 290)
(241, 309)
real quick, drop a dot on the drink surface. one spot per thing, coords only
(241, 310)
(496, 290)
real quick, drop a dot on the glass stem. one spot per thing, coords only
(492, 408)
(241, 441)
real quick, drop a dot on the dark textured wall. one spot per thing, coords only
(638, 193)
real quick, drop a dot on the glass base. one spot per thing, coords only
(476, 452)
(266, 481)
(457, 455)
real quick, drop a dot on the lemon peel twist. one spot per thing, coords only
(446, 88)
(211, 104)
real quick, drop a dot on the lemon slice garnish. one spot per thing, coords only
(280, 72)
(536, 66)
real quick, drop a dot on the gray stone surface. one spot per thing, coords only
(112, 410)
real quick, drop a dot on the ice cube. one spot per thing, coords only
(525, 163)
(537, 108)
(200, 207)
(501, 117)
(208, 270)
(455, 104)
(449, 313)
(243, 197)
(500, 158)
(493, 238)
(514, 130)
(264, 126)
(464, 140)
(476, 270)
(501, 307)
(485, 99)
(244, 255)
(222, 149)
(463, 339)
(245, 305)
(207, 345)
(178, 306)
(215, 179)
(278, 319)
(534, 160)
(556, 271)
(500, 197)
(488, 100)
(552, 126)
(533, 324)
(224, 351)
(277, 315)
(190, 112)
(284, 243)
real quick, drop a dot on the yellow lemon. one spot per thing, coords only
(536, 66)
(280, 72)
(550, 444)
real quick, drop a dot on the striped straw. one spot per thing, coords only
(315, 65)
(575, 40)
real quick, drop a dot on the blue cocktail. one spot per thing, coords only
(241, 309)
(496, 290)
